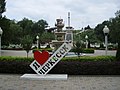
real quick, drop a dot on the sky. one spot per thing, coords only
(83, 12)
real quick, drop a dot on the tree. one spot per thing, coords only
(99, 30)
(26, 42)
(5, 25)
(39, 27)
(77, 49)
(117, 14)
(26, 25)
(88, 28)
(47, 37)
(92, 38)
(16, 32)
(2, 7)
(115, 31)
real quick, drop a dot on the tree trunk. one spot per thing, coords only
(118, 52)
(27, 54)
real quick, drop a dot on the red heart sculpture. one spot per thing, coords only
(41, 57)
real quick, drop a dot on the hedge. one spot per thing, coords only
(84, 50)
(89, 58)
(42, 49)
(72, 66)
(82, 58)
(88, 50)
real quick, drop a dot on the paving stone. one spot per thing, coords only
(79, 82)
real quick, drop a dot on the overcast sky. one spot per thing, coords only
(83, 12)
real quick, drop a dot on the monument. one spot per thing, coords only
(69, 30)
(43, 63)
(61, 35)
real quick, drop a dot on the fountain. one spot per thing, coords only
(61, 35)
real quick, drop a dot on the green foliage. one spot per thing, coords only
(10, 58)
(114, 31)
(5, 25)
(77, 49)
(100, 65)
(89, 58)
(114, 26)
(99, 30)
(2, 7)
(26, 26)
(84, 50)
(42, 49)
(71, 65)
(81, 59)
(27, 43)
(88, 50)
(16, 32)
(47, 37)
(118, 52)
(92, 37)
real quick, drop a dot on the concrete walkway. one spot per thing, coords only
(13, 82)
(22, 53)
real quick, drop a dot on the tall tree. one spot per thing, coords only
(26, 42)
(47, 37)
(99, 30)
(16, 32)
(2, 7)
(5, 25)
(39, 27)
(77, 49)
(26, 25)
(115, 31)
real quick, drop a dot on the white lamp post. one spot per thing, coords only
(106, 31)
(0, 39)
(37, 37)
(86, 37)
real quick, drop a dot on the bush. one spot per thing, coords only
(10, 58)
(87, 68)
(17, 65)
(42, 49)
(99, 65)
(89, 58)
(88, 50)
(84, 50)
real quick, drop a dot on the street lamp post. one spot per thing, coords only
(0, 39)
(86, 37)
(106, 31)
(37, 37)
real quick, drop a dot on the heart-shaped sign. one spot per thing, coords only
(41, 57)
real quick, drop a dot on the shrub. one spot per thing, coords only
(84, 50)
(99, 65)
(89, 58)
(88, 50)
(9, 58)
(82, 59)
(42, 49)
(87, 68)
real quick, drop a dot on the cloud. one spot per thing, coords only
(83, 12)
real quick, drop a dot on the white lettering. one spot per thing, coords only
(52, 61)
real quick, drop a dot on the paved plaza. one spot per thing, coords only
(74, 82)
(79, 82)
(22, 53)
